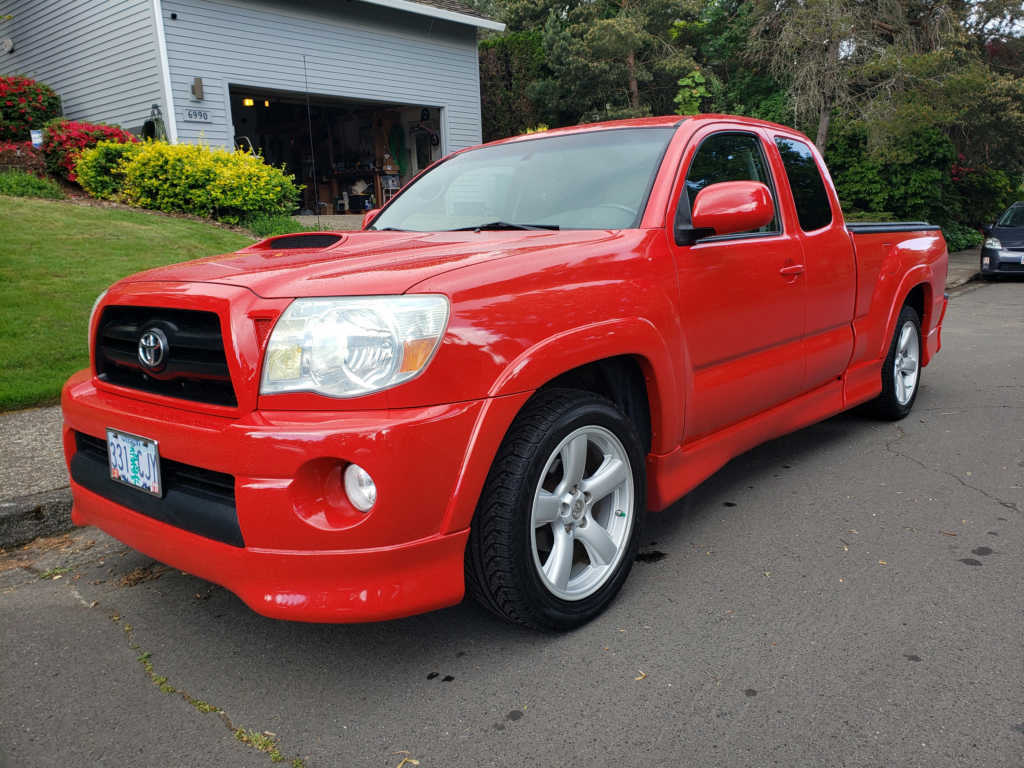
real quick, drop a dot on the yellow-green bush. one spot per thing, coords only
(101, 170)
(216, 183)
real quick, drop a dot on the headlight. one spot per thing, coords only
(92, 314)
(993, 242)
(344, 347)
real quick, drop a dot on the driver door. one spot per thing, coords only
(741, 296)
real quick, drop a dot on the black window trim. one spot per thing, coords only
(683, 224)
(832, 212)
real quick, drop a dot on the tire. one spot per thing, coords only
(556, 529)
(900, 384)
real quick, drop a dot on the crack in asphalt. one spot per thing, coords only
(938, 470)
(263, 741)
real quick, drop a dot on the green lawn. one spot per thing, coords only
(55, 259)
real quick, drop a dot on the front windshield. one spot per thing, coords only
(593, 180)
(1014, 217)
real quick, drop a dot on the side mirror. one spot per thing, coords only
(986, 231)
(369, 216)
(733, 206)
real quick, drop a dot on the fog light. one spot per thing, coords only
(984, 261)
(360, 488)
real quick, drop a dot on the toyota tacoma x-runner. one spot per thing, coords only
(485, 388)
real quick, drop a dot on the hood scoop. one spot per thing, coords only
(299, 240)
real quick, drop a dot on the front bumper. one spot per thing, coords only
(996, 261)
(305, 553)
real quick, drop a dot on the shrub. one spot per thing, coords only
(21, 156)
(217, 183)
(266, 225)
(100, 170)
(960, 238)
(984, 193)
(21, 184)
(64, 140)
(25, 104)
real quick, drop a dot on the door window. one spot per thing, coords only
(812, 205)
(730, 157)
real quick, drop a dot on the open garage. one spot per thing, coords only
(350, 155)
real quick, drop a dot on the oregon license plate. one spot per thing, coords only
(134, 461)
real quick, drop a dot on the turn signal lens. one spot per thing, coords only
(360, 488)
(284, 363)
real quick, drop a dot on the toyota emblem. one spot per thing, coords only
(153, 348)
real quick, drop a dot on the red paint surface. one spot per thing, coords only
(739, 341)
(733, 206)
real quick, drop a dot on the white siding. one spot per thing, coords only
(354, 50)
(99, 55)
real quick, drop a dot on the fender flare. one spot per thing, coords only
(546, 360)
(634, 337)
(922, 274)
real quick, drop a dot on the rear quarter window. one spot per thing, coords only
(813, 209)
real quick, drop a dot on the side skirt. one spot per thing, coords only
(671, 476)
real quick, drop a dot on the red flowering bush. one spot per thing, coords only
(64, 140)
(21, 156)
(25, 104)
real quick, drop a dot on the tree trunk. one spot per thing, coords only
(634, 89)
(823, 121)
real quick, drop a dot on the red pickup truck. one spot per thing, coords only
(536, 341)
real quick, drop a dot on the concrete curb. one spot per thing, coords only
(41, 514)
(958, 282)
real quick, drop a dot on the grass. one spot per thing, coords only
(55, 259)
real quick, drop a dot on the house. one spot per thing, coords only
(349, 93)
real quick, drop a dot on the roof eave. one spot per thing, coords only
(440, 13)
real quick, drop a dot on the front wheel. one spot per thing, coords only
(556, 530)
(901, 371)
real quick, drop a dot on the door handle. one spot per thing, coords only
(791, 270)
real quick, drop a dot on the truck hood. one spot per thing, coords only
(365, 263)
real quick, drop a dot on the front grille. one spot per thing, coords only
(1011, 266)
(195, 499)
(194, 368)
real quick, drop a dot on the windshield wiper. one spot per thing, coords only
(503, 225)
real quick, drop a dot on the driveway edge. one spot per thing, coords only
(28, 517)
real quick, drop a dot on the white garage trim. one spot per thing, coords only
(170, 119)
(440, 13)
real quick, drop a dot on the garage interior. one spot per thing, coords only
(362, 153)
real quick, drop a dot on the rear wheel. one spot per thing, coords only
(901, 371)
(556, 529)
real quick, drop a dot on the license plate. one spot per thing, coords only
(134, 461)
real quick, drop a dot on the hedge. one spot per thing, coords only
(64, 141)
(231, 186)
(100, 169)
(25, 104)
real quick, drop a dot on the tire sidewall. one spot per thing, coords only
(554, 611)
(891, 404)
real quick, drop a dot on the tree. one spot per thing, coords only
(614, 58)
(830, 53)
(509, 64)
